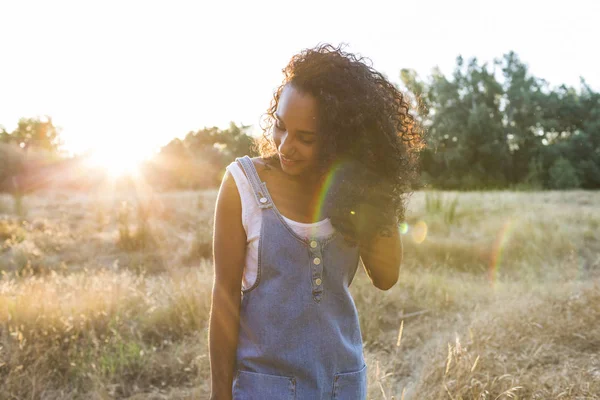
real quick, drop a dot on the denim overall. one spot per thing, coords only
(299, 332)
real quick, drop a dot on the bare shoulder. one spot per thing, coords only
(228, 195)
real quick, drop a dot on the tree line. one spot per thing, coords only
(487, 126)
(31, 159)
(498, 126)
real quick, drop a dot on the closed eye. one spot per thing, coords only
(302, 134)
(307, 141)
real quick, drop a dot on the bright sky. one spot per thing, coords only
(132, 75)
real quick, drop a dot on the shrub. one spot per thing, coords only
(11, 231)
(142, 237)
(202, 244)
(563, 175)
(436, 204)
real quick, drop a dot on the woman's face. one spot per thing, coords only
(295, 132)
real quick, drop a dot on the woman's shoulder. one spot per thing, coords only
(260, 164)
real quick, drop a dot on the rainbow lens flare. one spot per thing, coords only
(497, 250)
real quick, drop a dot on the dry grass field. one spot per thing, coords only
(499, 298)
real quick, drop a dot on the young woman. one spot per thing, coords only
(338, 160)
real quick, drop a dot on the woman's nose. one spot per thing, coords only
(285, 146)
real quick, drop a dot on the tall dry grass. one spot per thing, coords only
(498, 298)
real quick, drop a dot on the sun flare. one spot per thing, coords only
(116, 162)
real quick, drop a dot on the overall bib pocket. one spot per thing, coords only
(257, 386)
(350, 385)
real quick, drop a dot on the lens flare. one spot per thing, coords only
(497, 250)
(334, 176)
(419, 232)
(403, 228)
(319, 203)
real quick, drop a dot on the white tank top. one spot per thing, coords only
(252, 220)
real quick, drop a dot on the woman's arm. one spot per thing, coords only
(382, 256)
(229, 253)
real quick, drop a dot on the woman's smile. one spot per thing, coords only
(288, 162)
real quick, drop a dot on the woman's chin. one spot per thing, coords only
(293, 170)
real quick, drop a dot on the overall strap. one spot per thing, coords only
(261, 194)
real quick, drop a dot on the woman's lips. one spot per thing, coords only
(287, 161)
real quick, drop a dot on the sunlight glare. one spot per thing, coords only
(116, 161)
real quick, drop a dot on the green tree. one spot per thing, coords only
(38, 133)
(25, 155)
(467, 147)
(563, 175)
(571, 124)
(198, 160)
(523, 116)
(483, 132)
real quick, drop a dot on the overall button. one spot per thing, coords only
(317, 261)
(318, 281)
(263, 200)
(313, 244)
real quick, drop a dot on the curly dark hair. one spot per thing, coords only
(367, 134)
